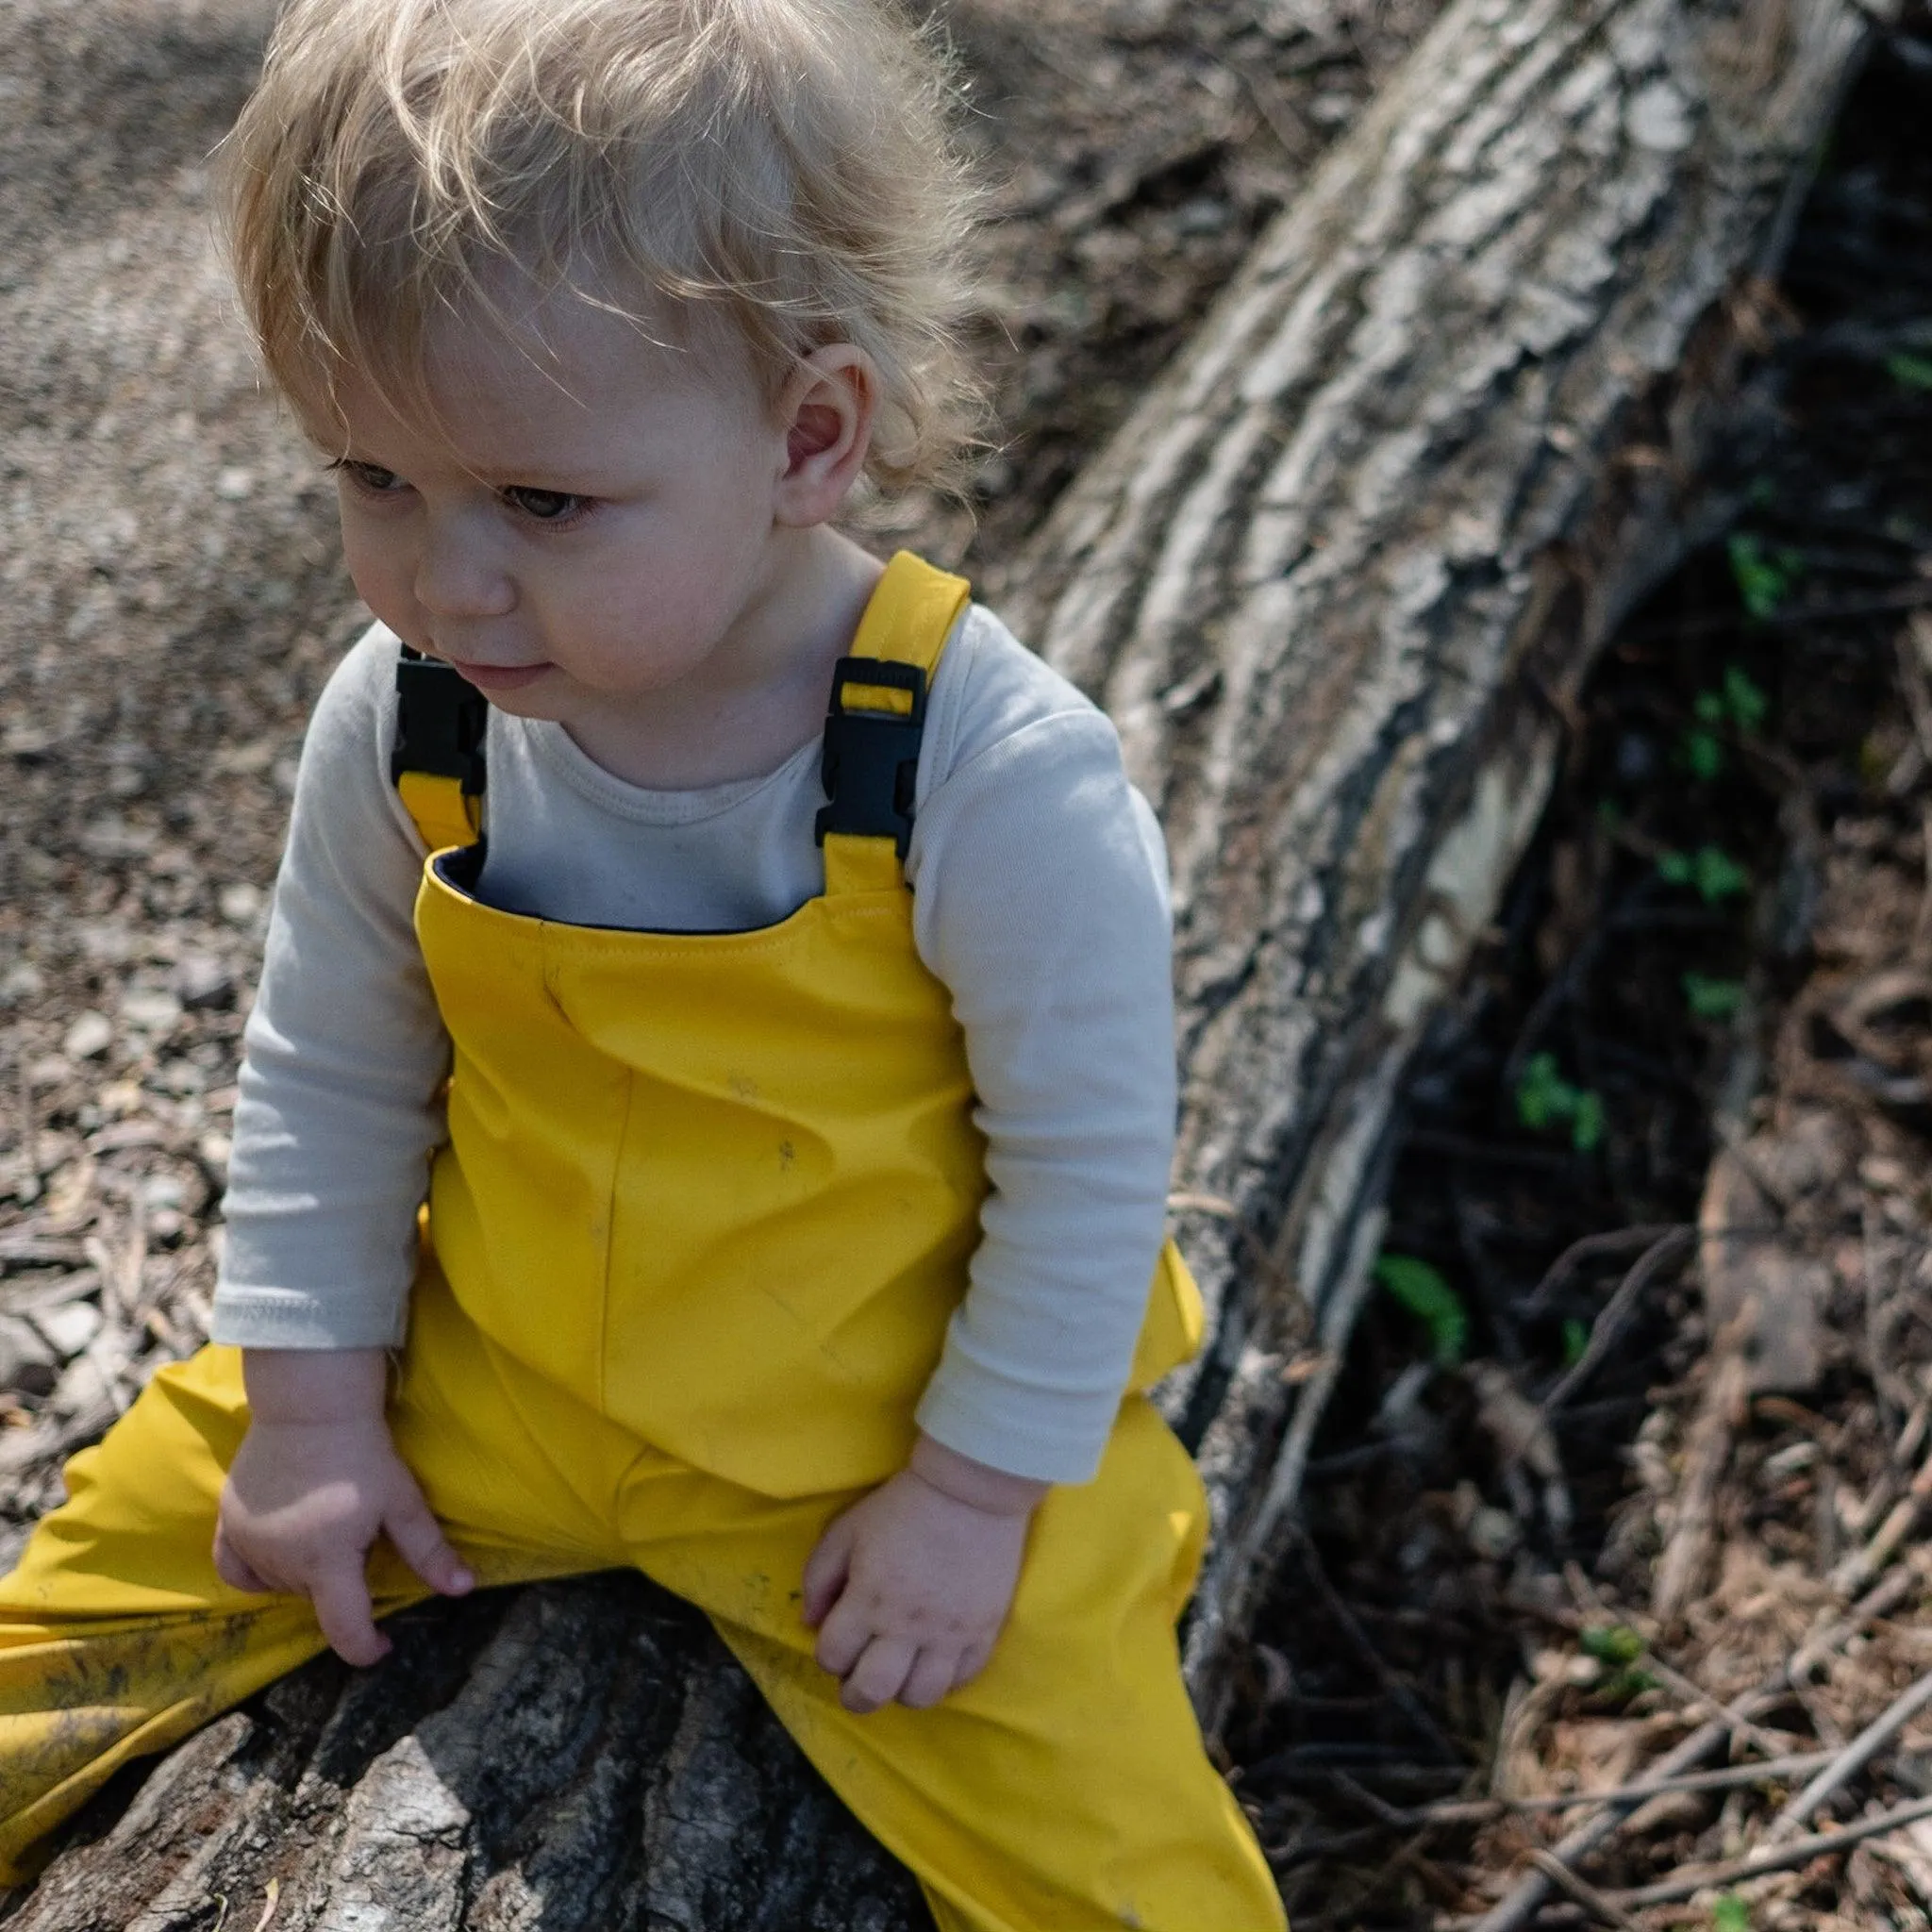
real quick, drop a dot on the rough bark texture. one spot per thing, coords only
(1335, 580)
(575, 1755)
(1337, 576)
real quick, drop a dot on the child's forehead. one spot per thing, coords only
(564, 346)
(550, 375)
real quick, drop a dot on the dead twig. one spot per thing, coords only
(1515, 1911)
(1707, 1454)
(1693, 1694)
(1486, 1810)
(1886, 1541)
(1798, 1851)
(1670, 1249)
(1397, 1687)
(1586, 1895)
(1852, 1759)
(1592, 1247)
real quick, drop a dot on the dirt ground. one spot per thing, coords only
(1581, 1496)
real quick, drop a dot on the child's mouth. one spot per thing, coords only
(492, 677)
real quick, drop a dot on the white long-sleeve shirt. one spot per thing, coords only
(1040, 902)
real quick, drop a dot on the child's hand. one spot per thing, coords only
(908, 1589)
(314, 1483)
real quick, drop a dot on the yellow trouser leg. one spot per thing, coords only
(1066, 1789)
(117, 1638)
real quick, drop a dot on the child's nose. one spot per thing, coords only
(457, 575)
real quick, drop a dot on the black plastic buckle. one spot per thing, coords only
(440, 720)
(872, 757)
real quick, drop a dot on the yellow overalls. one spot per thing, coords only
(705, 1206)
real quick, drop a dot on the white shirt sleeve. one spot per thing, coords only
(1041, 905)
(344, 1053)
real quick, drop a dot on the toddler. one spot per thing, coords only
(790, 1083)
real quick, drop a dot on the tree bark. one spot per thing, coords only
(1339, 577)
(1337, 580)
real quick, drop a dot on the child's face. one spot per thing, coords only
(592, 529)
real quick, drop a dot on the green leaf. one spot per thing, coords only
(1717, 875)
(1423, 1290)
(1612, 1643)
(1674, 868)
(1544, 1098)
(1709, 708)
(1744, 699)
(1764, 577)
(1576, 1339)
(1729, 1914)
(1620, 1687)
(1712, 999)
(1703, 753)
(1909, 372)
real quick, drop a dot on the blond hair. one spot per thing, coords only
(785, 165)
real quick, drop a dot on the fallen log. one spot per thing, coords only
(1338, 580)
(1339, 577)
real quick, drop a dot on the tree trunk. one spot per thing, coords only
(1336, 580)
(1340, 576)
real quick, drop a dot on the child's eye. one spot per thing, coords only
(547, 505)
(370, 476)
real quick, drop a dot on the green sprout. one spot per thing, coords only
(1576, 1339)
(1713, 871)
(1424, 1292)
(1545, 1100)
(1738, 705)
(1729, 1914)
(1909, 372)
(1704, 751)
(1617, 1647)
(1612, 1643)
(1712, 999)
(1764, 576)
(1620, 1687)
(1745, 699)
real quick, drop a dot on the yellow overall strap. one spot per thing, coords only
(875, 721)
(436, 760)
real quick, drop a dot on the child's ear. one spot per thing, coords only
(826, 411)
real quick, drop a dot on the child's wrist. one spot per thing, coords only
(303, 1388)
(978, 1485)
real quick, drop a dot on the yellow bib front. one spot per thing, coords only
(725, 1187)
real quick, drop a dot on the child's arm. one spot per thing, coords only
(336, 1118)
(1039, 903)
(315, 1482)
(908, 1589)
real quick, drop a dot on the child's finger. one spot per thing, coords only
(932, 1676)
(878, 1675)
(421, 1543)
(971, 1662)
(842, 1636)
(348, 1621)
(236, 1571)
(825, 1571)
